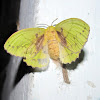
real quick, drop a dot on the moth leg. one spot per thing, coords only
(56, 62)
(65, 74)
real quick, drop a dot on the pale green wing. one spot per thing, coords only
(66, 55)
(21, 41)
(28, 43)
(73, 33)
(40, 60)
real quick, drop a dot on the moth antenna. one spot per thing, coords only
(54, 21)
(54, 24)
(43, 24)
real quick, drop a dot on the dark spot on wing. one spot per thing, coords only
(84, 27)
(9, 45)
(75, 44)
(17, 47)
(68, 54)
(36, 35)
(71, 53)
(83, 30)
(12, 46)
(61, 29)
(80, 33)
(74, 37)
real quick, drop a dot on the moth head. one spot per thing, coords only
(51, 28)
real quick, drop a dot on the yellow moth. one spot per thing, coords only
(62, 42)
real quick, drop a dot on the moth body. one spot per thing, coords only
(53, 42)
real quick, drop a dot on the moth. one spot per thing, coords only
(62, 42)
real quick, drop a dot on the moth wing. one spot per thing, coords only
(73, 34)
(41, 59)
(19, 43)
(66, 55)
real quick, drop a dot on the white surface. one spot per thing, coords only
(49, 85)
(85, 81)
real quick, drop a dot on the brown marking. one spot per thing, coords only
(62, 38)
(61, 30)
(83, 30)
(74, 37)
(75, 44)
(39, 43)
(71, 53)
(36, 35)
(52, 31)
(84, 27)
(17, 47)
